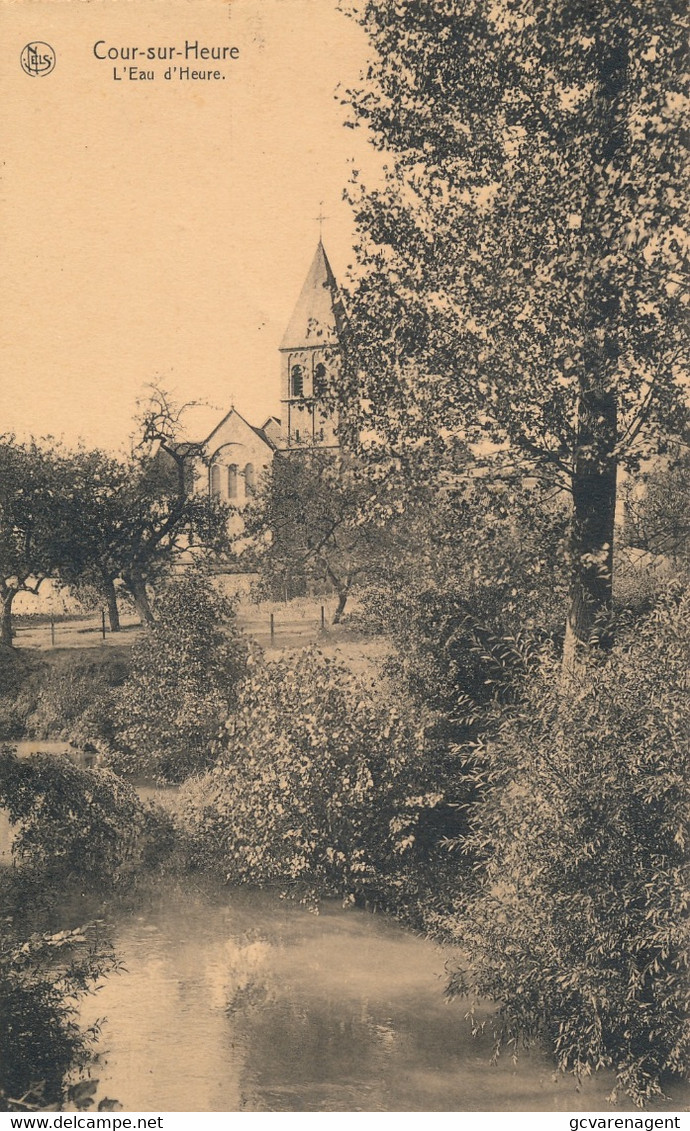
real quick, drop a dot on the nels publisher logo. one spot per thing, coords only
(38, 58)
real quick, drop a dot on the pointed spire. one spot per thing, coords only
(318, 318)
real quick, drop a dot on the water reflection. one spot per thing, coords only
(245, 1002)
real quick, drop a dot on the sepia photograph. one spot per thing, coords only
(344, 560)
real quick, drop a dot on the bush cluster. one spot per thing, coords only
(68, 695)
(320, 786)
(484, 580)
(184, 674)
(43, 1049)
(577, 924)
(74, 822)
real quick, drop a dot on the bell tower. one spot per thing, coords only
(310, 359)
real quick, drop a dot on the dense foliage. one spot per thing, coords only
(323, 520)
(577, 925)
(323, 787)
(43, 1049)
(478, 579)
(75, 697)
(67, 695)
(77, 823)
(522, 256)
(18, 692)
(184, 674)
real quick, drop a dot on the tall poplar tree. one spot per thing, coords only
(522, 252)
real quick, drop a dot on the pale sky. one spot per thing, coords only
(161, 230)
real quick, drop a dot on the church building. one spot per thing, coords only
(238, 452)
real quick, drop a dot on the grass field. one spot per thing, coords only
(296, 624)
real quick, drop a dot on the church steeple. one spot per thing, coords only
(318, 317)
(310, 356)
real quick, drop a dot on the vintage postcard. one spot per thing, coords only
(343, 557)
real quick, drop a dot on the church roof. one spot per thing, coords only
(263, 435)
(243, 423)
(319, 317)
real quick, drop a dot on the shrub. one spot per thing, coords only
(321, 787)
(18, 679)
(577, 924)
(76, 696)
(77, 822)
(42, 1046)
(66, 695)
(185, 672)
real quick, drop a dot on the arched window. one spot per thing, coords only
(320, 383)
(232, 481)
(215, 480)
(297, 381)
(249, 480)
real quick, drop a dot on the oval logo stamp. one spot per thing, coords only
(37, 58)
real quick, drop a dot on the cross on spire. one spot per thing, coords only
(320, 219)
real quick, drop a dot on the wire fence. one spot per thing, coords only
(279, 628)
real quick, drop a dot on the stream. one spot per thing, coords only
(237, 1000)
(240, 1001)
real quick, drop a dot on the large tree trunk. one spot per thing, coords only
(137, 587)
(594, 507)
(595, 465)
(111, 599)
(6, 631)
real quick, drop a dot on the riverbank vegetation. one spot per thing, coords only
(182, 683)
(78, 833)
(324, 785)
(575, 919)
(45, 1055)
(76, 823)
(536, 826)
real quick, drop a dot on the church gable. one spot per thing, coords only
(272, 430)
(237, 456)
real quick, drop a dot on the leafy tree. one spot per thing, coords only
(521, 254)
(99, 532)
(183, 681)
(316, 519)
(133, 519)
(166, 515)
(576, 923)
(35, 489)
